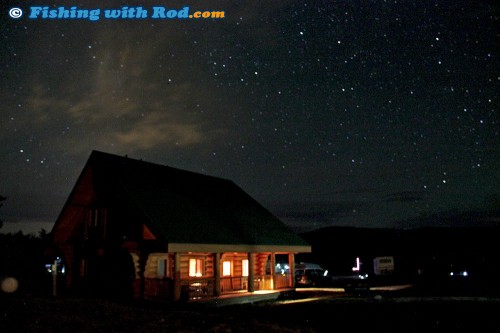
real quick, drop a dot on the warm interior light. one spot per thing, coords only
(226, 268)
(244, 264)
(195, 267)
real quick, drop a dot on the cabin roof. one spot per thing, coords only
(184, 207)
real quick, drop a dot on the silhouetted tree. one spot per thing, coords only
(43, 235)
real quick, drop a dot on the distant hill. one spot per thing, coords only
(337, 247)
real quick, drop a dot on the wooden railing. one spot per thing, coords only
(233, 283)
(202, 288)
(158, 288)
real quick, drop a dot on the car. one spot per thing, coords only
(352, 283)
(311, 275)
(458, 272)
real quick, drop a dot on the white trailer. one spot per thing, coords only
(383, 265)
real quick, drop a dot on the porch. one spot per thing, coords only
(201, 288)
(208, 275)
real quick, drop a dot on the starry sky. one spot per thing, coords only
(329, 113)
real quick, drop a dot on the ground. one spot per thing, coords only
(372, 312)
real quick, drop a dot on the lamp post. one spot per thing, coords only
(54, 278)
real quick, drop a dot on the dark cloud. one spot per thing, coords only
(406, 196)
(304, 216)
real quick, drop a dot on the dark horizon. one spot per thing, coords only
(477, 219)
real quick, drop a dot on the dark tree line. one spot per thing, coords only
(23, 257)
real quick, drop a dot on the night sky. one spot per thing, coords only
(330, 113)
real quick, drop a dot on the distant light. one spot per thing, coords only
(461, 273)
(358, 265)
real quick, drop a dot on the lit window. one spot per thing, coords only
(226, 268)
(195, 267)
(244, 264)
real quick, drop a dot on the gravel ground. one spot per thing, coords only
(305, 312)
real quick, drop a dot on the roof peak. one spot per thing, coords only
(99, 155)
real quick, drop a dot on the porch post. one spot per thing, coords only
(291, 262)
(272, 270)
(217, 273)
(251, 272)
(177, 276)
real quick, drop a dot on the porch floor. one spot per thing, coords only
(242, 297)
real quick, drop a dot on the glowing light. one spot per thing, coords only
(226, 268)
(461, 273)
(244, 264)
(195, 267)
(358, 265)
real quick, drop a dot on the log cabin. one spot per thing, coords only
(144, 230)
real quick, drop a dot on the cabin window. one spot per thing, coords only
(195, 267)
(226, 268)
(95, 228)
(162, 270)
(244, 265)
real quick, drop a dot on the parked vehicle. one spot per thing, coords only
(311, 275)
